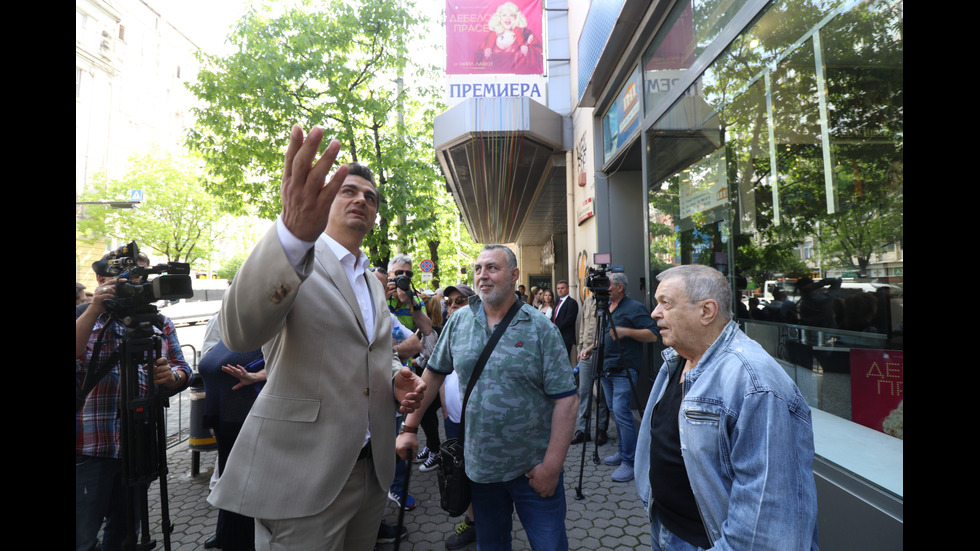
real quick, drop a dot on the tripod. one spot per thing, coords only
(142, 429)
(603, 326)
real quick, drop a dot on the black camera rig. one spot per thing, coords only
(142, 419)
(174, 281)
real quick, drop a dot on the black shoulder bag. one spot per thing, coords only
(454, 485)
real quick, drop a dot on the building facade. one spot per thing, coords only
(764, 138)
(131, 64)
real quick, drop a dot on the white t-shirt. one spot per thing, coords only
(454, 398)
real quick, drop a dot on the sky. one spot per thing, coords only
(207, 22)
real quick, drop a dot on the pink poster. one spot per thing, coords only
(490, 37)
(878, 390)
(677, 51)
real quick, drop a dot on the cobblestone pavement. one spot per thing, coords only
(609, 517)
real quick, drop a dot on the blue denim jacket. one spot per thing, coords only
(747, 443)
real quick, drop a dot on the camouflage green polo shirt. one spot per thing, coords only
(508, 417)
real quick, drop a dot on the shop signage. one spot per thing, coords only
(878, 389)
(585, 210)
(584, 201)
(622, 121)
(460, 87)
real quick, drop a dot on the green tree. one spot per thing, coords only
(176, 219)
(340, 64)
(230, 267)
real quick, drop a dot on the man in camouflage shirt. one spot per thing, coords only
(520, 416)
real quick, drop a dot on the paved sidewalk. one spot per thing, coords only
(609, 517)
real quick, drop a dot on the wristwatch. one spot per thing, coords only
(408, 428)
(416, 306)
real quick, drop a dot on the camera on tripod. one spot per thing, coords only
(173, 283)
(598, 279)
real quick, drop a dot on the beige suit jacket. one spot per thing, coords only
(330, 379)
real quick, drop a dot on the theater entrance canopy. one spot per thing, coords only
(504, 163)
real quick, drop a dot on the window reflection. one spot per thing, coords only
(690, 27)
(800, 121)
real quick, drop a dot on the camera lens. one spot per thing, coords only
(403, 282)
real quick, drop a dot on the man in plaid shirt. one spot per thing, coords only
(99, 487)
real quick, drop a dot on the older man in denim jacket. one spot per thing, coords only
(724, 458)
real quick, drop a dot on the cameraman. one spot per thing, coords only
(100, 491)
(632, 326)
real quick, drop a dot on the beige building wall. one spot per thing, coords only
(131, 66)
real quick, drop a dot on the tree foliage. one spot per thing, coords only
(347, 66)
(176, 218)
(230, 267)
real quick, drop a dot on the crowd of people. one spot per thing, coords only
(321, 369)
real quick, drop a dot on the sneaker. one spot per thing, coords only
(397, 498)
(464, 534)
(422, 455)
(623, 473)
(430, 463)
(387, 534)
(614, 459)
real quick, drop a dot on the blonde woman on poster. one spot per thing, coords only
(511, 47)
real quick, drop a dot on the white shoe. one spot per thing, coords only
(614, 459)
(430, 463)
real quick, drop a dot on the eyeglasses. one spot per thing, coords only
(405, 272)
(459, 301)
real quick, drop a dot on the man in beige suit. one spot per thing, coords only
(316, 454)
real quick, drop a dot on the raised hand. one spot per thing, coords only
(306, 200)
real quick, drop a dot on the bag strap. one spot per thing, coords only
(95, 372)
(491, 344)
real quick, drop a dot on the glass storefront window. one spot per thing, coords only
(783, 167)
(690, 26)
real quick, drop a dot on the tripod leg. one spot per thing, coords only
(600, 399)
(165, 524)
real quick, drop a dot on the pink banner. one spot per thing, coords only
(490, 37)
(878, 390)
(677, 51)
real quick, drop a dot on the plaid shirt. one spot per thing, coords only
(97, 424)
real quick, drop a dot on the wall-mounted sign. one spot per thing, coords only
(460, 87)
(585, 210)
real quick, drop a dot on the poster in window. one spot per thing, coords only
(878, 390)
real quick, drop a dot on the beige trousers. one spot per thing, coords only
(350, 523)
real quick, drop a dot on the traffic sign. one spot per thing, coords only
(426, 266)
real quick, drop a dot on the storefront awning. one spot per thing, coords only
(503, 160)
